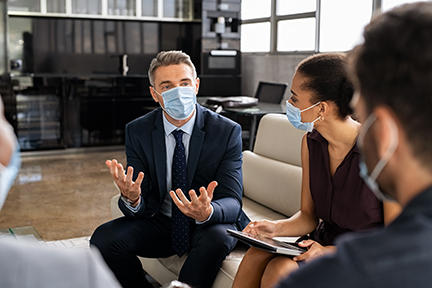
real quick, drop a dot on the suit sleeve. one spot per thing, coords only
(135, 160)
(228, 194)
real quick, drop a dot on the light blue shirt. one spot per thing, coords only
(170, 143)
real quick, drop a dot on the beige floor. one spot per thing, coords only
(65, 195)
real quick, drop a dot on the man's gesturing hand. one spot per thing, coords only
(198, 208)
(128, 188)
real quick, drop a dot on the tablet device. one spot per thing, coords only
(268, 244)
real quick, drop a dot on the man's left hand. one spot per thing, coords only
(199, 207)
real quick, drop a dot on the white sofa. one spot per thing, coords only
(272, 183)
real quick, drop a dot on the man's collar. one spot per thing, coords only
(186, 128)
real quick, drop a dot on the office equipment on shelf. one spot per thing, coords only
(253, 112)
(268, 98)
(223, 62)
(270, 92)
(233, 102)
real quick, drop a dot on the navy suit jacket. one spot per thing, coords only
(215, 153)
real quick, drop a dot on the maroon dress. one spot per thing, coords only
(343, 201)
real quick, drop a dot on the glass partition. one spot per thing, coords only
(86, 7)
(176, 8)
(121, 7)
(149, 7)
(56, 6)
(24, 5)
(3, 42)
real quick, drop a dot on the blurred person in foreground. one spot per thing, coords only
(24, 264)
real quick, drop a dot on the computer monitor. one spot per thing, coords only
(269, 92)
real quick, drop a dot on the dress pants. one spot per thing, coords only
(122, 239)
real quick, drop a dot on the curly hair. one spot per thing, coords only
(326, 76)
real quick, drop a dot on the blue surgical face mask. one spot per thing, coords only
(294, 116)
(371, 179)
(179, 102)
(8, 175)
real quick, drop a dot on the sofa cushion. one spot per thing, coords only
(272, 183)
(278, 139)
(255, 211)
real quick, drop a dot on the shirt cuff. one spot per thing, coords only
(202, 222)
(129, 206)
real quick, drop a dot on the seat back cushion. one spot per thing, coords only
(272, 183)
(278, 139)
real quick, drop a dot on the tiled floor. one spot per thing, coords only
(62, 195)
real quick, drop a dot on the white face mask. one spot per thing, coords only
(8, 175)
(179, 102)
(294, 116)
(371, 179)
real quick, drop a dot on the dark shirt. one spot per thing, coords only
(399, 255)
(343, 201)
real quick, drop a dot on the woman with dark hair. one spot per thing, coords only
(334, 198)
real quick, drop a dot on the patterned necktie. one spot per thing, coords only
(180, 222)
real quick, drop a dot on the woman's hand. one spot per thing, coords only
(263, 228)
(314, 250)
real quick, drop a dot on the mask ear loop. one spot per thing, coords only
(365, 127)
(387, 155)
(162, 99)
(310, 107)
(154, 90)
(319, 117)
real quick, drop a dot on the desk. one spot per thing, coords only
(253, 112)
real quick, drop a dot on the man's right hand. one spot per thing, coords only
(128, 188)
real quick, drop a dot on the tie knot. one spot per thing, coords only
(178, 135)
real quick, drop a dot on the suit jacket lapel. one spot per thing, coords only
(159, 154)
(195, 144)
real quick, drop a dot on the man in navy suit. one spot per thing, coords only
(186, 162)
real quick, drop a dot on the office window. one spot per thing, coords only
(251, 9)
(342, 23)
(285, 7)
(296, 35)
(389, 4)
(293, 25)
(291, 19)
(255, 37)
(256, 27)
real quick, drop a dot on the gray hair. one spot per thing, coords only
(165, 58)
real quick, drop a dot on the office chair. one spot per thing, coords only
(269, 92)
